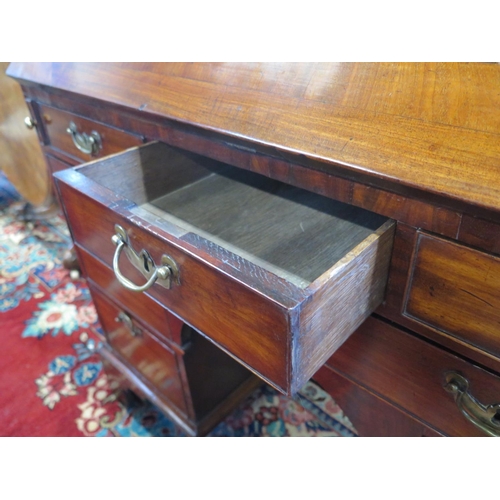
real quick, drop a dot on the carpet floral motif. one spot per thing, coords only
(66, 373)
(28, 252)
(67, 310)
(58, 383)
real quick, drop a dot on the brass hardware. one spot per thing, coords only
(486, 418)
(30, 122)
(88, 144)
(142, 261)
(124, 318)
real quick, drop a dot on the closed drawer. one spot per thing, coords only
(455, 289)
(276, 276)
(371, 415)
(412, 375)
(141, 351)
(107, 140)
(150, 311)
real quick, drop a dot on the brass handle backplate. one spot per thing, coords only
(163, 275)
(486, 418)
(88, 144)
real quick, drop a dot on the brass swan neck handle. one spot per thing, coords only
(88, 144)
(484, 417)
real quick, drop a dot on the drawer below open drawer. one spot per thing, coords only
(442, 390)
(152, 360)
(276, 276)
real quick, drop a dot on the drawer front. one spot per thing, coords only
(152, 360)
(281, 317)
(411, 374)
(142, 306)
(370, 415)
(456, 290)
(109, 140)
(239, 320)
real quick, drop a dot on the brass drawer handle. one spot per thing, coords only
(88, 144)
(30, 122)
(124, 318)
(144, 263)
(486, 418)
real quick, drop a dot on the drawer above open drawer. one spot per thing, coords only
(277, 276)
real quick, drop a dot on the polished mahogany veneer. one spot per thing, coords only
(461, 281)
(108, 139)
(154, 360)
(415, 145)
(277, 276)
(143, 306)
(411, 375)
(417, 126)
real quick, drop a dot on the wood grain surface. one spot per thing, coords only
(154, 360)
(456, 289)
(56, 123)
(281, 331)
(414, 142)
(292, 232)
(206, 298)
(151, 312)
(393, 306)
(409, 373)
(55, 165)
(370, 415)
(341, 301)
(126, 378)
(407, 205)
(484, 235)
(21, 157)
(432, 127)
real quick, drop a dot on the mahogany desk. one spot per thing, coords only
(402, 327)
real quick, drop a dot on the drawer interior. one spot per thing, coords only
(291, 232)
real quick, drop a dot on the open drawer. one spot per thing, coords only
(277, 276)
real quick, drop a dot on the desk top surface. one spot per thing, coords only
(433, 127)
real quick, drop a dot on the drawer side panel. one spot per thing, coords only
(354, 290)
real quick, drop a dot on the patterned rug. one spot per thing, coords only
(52, 385)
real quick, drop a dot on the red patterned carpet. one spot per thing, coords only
(52, 385)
